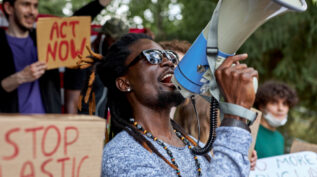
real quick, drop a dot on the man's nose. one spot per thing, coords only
(167, 62)
(33, 10)
(281, 106)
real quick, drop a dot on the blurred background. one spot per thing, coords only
(285, 48)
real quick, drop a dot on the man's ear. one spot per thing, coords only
(8, 8)
(123, 84)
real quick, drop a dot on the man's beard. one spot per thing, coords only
(19, 24)
(169, 99)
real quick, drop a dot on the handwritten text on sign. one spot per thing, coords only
(60, 40)
(301, 164)
(41, 147)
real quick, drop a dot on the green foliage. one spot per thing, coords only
(158, 20)
(194, 17)
(53, 7)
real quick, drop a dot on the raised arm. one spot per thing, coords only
(233, 136)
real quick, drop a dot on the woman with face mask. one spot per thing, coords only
(274, 99)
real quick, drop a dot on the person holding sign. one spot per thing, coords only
(25, 86)
(137, 72)
(274, 99)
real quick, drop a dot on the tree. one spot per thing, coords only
(186, 26)
(53, 7)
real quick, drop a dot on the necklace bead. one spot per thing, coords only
(169, 152)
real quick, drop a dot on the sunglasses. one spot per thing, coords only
(155, 56)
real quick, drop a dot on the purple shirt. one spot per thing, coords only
(29, 95)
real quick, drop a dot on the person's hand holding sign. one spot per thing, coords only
(30, 73)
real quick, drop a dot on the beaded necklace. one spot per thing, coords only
(170, 154)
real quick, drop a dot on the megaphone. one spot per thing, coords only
(236, 21)
(232, 22)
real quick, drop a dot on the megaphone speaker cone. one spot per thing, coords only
(186, 73)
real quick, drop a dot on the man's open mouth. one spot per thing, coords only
(167, 80)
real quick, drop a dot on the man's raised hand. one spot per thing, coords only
(236, 81)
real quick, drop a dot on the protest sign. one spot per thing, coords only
(60, 40)
(51, 145)
(301, 164)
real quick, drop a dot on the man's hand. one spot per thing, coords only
(104, 2)
(29, 74)
(32, 72)
(236, 81)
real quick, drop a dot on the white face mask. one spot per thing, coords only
(274, 122)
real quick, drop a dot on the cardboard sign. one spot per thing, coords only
(51, 145)
(301, 164)
(254, 130)
(60, 40)
(298, 146)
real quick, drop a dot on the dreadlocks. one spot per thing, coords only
(112, 68)
(120, 109)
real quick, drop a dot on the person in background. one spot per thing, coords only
(23, 89)
(76, 79)
(274, 99)
(184, 114)
(26, 86)
(110, 32)
(178, 46)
